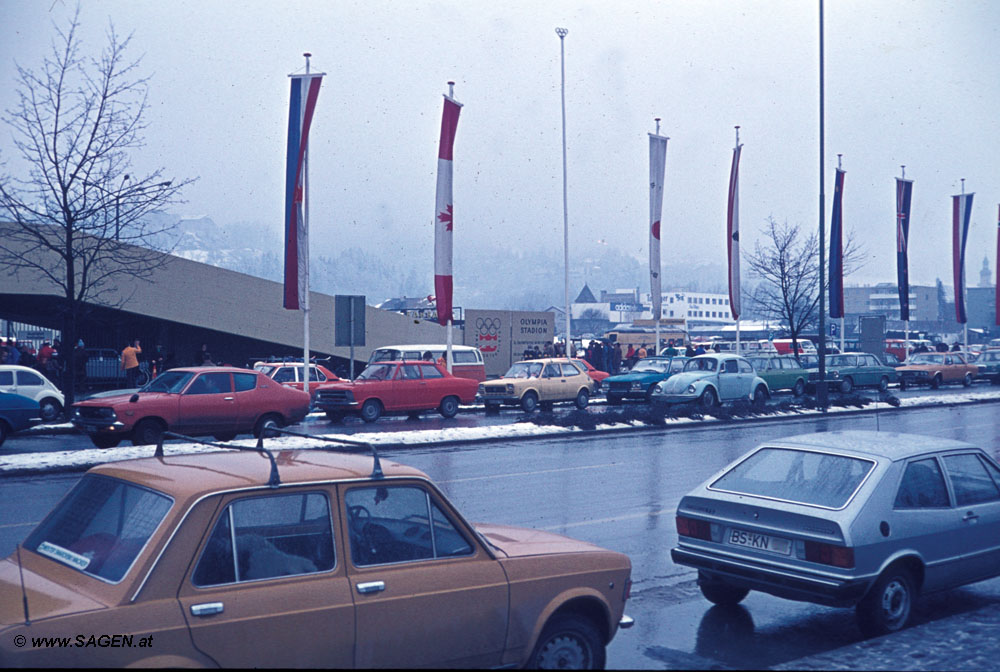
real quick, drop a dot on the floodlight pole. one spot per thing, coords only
(562, 32)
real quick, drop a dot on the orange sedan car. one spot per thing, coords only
(936, 369)
(306, 558)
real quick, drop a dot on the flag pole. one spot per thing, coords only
(738, 352)
(965, 325)
(841, 280)
(305, 275)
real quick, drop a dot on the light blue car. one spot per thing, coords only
(710, 380)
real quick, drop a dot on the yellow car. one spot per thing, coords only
(539, 381)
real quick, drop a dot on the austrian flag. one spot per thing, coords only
(443, 219)
(657, 168)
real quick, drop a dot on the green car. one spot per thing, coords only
(989, 366)
(640, 381)
(781, 373)
(856, 369)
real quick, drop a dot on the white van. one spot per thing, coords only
(467, 361)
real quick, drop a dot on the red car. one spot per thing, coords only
(217, 400)
(397, 387)
(596, 375)
(290, 374)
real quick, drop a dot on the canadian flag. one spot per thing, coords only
(443, 218)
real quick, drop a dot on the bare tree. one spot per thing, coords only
(787, 265)
(77, 210)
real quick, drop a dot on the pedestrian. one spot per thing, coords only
(44, 356)
(157, 361)
(27, 359)
(716, 348)
(700, 350)
(199, 356)
(956, 347)
(13, 354)
(630, 356)
(671, 351)
(80, 364)
(689, 351)
(549, 351)
(130, 363)
(616, 359)
(207, 359)
(641, 352)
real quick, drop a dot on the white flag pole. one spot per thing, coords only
(562, 32)
(305, 274)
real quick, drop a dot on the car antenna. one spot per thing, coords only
(24, 592)
(273, 481)
(376, 464)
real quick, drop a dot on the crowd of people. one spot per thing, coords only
(606, 356)
(50, 359)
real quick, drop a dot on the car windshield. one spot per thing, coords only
(800, 476)
(385, 356)
(377, 372)
(524, 370)
(700, 364)
(168, 381)
(924, 358)
(651, 365)
(266, 369)
(100, 527)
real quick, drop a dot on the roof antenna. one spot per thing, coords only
(376, 463)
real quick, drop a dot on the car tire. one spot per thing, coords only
(846, 385)
(104, 441)
(582, 399)
(903, 384)
(371, 410)
(759, 400)
(147, 432)
(4, 431)
(883, 384)
(529, 402)
(266, 422)
(888, 605)
(50, 409)
(720, 592)
(936, 382)
(967, 381)
(649, 393)
(448, 407)
(224, 437)
(614, 400)
(708, 399)
(800, 388)
(568, 642)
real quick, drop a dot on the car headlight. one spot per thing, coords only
(636, 386)
(510, 388)
(835, 374)
(658, 388)
(691, 389)
(482, 389)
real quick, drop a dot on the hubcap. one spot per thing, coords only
(895, 603)
(564, 653)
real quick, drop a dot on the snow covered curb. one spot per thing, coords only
(81, 460)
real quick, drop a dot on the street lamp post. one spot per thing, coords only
(562, 32)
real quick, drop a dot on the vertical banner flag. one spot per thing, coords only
(443, 220)
(837, 249)
(997, 269)
(657, 168)
(904, 190)
(961, 210)
(733, 234)
(305, 91)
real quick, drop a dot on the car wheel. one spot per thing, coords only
(846, 385)
(720, 592)
(265, 424)
(800, 388)
(708, 400)
(102, 441)
(371, 410)
(529, 402)
(147, 432)
(448, 407)
(568, 643)
(967, 381)
(614, 400)
(226, 436)
(50, 409)
(759, 398)
(649, 393)
(582, 399)
(883, 384)
(903, 384)
(887, 606)
(4, 431)
(936, 382)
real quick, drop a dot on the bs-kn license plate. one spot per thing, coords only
(760, 542)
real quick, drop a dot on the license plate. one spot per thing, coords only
(760, 542)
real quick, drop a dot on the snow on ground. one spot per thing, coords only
(82, 459)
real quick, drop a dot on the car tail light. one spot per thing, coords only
(690, 527)
(627, 594)
(828, 554)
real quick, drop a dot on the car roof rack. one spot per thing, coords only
(376, 463)
(273, 480)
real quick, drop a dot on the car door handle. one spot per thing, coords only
(371, 587)
(206, 609)
(969, 516)
(227, 398)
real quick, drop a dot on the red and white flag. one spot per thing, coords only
(733, 234)
(657, 168)
(444, 216)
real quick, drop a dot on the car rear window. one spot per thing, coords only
(800, 476)
(101, 526)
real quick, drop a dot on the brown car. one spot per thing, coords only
(308, 558)
(935, 369)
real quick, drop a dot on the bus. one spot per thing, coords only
(467, 361)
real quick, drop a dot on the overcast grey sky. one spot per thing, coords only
(914, 82)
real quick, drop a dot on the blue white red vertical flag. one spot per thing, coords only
(837, 249)
(733, 234)
(961, 211)
(997, 265)
(904, 191)
(444, 215)
(657, 169)
(302, 105)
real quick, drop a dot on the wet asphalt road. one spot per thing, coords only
(620, 491)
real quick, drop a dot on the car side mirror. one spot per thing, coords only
(134, 398)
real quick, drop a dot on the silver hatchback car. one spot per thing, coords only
(863, 519)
